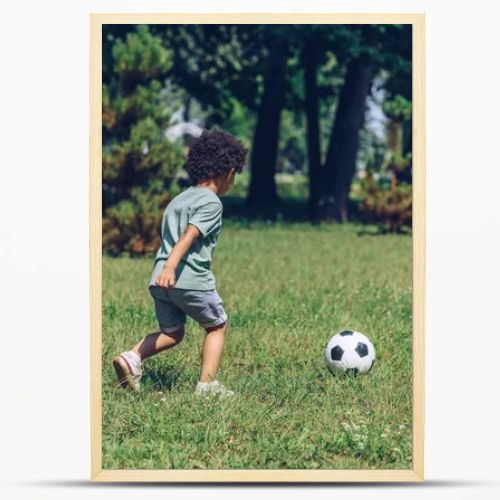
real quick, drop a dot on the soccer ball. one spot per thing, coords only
(349, 352)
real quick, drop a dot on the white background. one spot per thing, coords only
(44, 356)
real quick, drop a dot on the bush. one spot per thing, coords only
(390, 208)
(133, 226)
(139, 164)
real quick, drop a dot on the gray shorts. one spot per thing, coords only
(172, 307)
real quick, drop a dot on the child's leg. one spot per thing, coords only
(157, 342)
(212, 353)
(127, 365)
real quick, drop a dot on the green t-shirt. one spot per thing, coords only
(201, 207)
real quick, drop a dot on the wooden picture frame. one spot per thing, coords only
(95, 173)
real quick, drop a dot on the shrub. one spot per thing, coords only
(390, 208)
(133, 225)
(139, 164)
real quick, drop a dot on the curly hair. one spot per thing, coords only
(214, 153)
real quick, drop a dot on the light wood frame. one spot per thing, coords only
(95, 189)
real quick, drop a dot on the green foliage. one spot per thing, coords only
(241, 122)
(389, 207)
(399, 111)
(215, 63)
(399, 108)
(138, 161)
(142, 56)
(388, 201)
(286, 290)
(135, 150)
(133, 225)
(150, 70)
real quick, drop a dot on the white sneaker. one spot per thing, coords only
(212, 388)
(129, 370)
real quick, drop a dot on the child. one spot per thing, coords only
(181, 283)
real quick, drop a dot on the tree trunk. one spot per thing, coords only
(265, 141)
(310, 55)
(340, 164)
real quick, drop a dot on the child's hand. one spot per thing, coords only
(166, 278)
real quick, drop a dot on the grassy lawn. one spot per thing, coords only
(286, 288)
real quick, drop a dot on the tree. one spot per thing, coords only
(216, 64)
(340, 162)
(363, 51)
(139, 164)
(311, 49)
(226, 66)
(265, 143)
(135, 150)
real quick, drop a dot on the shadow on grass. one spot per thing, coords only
(160, 380)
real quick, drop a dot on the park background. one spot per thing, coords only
(325, 111)
(316, 239)
(52, 458)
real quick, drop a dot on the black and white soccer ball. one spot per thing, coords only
(349, 352)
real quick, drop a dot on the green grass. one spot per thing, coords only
(286, 289)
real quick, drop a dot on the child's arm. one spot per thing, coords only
(167, 276)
